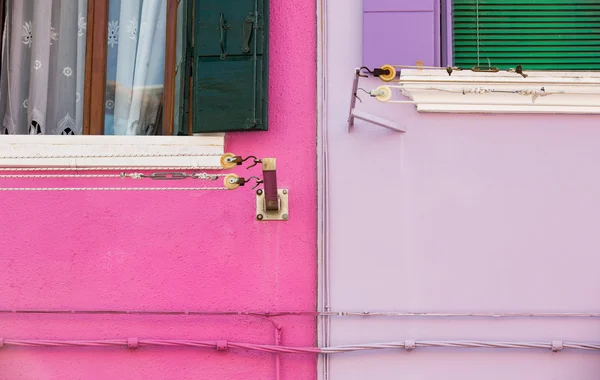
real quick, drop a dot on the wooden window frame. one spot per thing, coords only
(95, 68)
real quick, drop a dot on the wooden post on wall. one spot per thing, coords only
(170, 67)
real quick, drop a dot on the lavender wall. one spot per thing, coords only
(463, 213)
(400, 32)
(172, 251)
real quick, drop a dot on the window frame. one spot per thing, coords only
(120, 150)
(95, 67)
(452, 92)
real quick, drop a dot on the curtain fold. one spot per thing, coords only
(42, 67)
(42, 73)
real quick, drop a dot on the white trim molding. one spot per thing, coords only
(111, 151)
(501, 92)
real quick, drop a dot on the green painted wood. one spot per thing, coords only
(537, 34)
(229, 82)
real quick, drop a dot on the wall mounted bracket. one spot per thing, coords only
(272, 202)
(356, 114)
(281, 214)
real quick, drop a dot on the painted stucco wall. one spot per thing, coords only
(173, 251)
(463, 213)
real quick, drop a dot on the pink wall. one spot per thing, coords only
(461, 214)
(173, 251)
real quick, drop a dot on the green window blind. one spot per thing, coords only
(537, 34)
(229, 74)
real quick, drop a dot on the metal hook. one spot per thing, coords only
(241, 160)
(358, 72)
(258, 183)
(365, 91)
(243, 181)
(371, 94)
(375, 72)
(256, 162)
(247, 158)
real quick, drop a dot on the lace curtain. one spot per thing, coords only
(43, 65)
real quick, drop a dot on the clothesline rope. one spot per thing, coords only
(110, 188)
(204, 176)
(117, 155)
(108, 168)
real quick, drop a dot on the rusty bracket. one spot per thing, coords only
(272, 202)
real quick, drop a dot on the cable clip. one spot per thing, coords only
(557, 345)
(221, 345)
(133, 343)
(410, 345)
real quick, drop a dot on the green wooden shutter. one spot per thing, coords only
(230, 66)
(537, 34)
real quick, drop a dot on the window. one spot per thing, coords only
(125, 67)
(556, 42)
(537, 34)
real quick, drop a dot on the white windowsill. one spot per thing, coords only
(573, 92)
(151, 147)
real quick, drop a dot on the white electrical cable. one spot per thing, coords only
(324, 322)
(410, 345)
(461, 315)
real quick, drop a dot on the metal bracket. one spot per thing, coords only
(356, 114)
(281, 214)
(272, 202)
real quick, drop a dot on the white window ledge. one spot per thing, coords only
(114, 151)
(502, 92)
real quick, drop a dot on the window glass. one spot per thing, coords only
(135, 67)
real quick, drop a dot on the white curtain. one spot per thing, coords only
(135, 60)
(42, 67)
